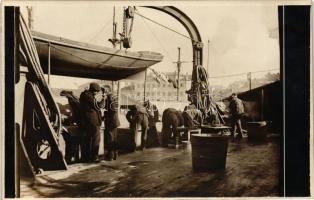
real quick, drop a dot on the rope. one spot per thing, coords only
(66, 52)
(153, 33)
(240, 74)
(102, 28)
(163, 26)
(268, 70)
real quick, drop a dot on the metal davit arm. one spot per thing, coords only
(199, 93)
(189, 25)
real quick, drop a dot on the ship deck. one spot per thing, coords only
(251, 170)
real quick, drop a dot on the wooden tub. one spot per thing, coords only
(209, 151)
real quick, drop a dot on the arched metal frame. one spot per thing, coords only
(190, 27)
(198, 94)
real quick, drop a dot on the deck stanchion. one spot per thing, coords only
(262, 104)
(145, 84)
(118, 94)
(49, 67)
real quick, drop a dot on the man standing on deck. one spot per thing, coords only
(90, 122)
(138, 117)
(171, 120)
(193, 117)
(236, 110)
(112, 123)
(153, 117)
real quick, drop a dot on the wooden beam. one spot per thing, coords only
(145, 84)
(49, 65)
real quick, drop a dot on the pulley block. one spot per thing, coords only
(129, 12)
(127, 42)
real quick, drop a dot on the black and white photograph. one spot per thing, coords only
(181, 99)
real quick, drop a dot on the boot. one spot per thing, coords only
(115, 151)
(95, 159)
(143, 145)
(109, 156)
(239, 137)
(232, 137)
(115, 155)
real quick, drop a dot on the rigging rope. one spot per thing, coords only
(158, 40)
(240, 74)
(66, 52)
(163, 26)
(102, 28)
(266, 70)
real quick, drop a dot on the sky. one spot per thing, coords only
(242, 37)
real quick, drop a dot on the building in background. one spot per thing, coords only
(158, 91)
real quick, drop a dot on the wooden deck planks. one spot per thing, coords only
(159, 172)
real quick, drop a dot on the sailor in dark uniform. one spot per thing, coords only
(171, 120)
(112, 122)
(90, 122)
(138, 117)
(192, 117)
(236, 108)
(153, 117)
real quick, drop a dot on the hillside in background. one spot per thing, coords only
(219, 92)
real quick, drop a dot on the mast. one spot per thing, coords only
(179, 69)
(114, 39)
(208, 59)
(179, 64)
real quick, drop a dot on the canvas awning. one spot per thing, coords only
(77, 59)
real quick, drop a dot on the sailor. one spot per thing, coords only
(153, 117)
(90, 122)
(138, 117)
(193, 117)
(112, 123)
(236, 108)
(171, 120)
(72, 130)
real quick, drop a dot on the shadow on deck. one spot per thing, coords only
(251, 170)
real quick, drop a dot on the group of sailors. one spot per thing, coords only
(91, 120)
(99, 104)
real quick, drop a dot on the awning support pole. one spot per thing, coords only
(145, 84)
(49, 67)
(118, 94)
(262, 105)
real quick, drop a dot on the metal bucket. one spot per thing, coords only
(257, 131)
(209, 151)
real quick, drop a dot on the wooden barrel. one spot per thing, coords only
(257, 131)
(209, 151)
